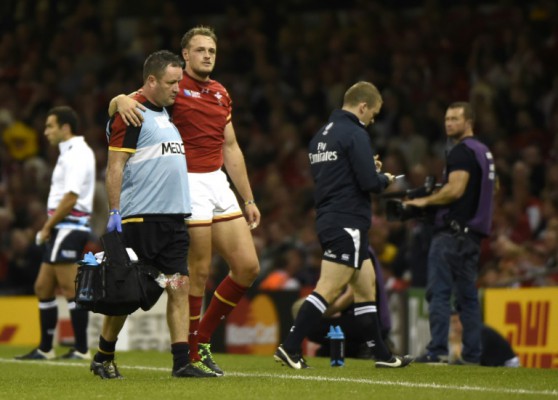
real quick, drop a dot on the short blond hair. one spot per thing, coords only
(197, 30)
(362, 92)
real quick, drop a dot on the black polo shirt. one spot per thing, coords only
(342, 165)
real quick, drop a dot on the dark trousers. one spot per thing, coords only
(452, 267)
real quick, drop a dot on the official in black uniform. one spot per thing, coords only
(345, 172)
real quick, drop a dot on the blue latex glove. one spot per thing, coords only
(89, 259)
(115, 221)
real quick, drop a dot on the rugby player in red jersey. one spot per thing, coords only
(202, 114)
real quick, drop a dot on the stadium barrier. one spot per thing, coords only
(19, 320)
(526, 317)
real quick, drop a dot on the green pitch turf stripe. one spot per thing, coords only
(315, 378)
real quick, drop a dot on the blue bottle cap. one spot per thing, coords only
(339, 332)
(332, 334)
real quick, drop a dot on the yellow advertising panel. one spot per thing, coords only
(19, 320)
(528, 319)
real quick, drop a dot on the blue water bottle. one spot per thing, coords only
(336, 346)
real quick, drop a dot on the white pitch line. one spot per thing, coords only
(403, 384)
(553, 393)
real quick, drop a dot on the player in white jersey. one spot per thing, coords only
(65, 233)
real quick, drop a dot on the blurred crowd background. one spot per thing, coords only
(286, 65)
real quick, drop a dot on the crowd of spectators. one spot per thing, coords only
(286, 65)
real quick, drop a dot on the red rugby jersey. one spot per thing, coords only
(201, 112)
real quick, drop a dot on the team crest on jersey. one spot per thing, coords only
(218, 96)
(192, 93)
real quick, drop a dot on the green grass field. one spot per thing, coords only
(257, 377)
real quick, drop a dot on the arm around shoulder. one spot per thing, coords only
(130, 110)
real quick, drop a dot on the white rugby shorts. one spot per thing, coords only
(212, 199)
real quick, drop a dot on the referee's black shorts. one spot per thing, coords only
(66, 245)
(344, 245)
(164, 244)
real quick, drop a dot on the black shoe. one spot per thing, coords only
(106, 369)
(195, 370)
(73, 354)
(430, 358)
(294, 361)
(395, 362)
(38, 354)
(207, 358)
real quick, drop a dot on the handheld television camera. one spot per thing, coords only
(397, 211)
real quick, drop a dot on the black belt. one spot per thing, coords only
(455, 228)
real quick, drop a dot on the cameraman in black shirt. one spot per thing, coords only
(463, 217)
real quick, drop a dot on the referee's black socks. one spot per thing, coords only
(366, 317)
(309, 315)
(48, 313)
